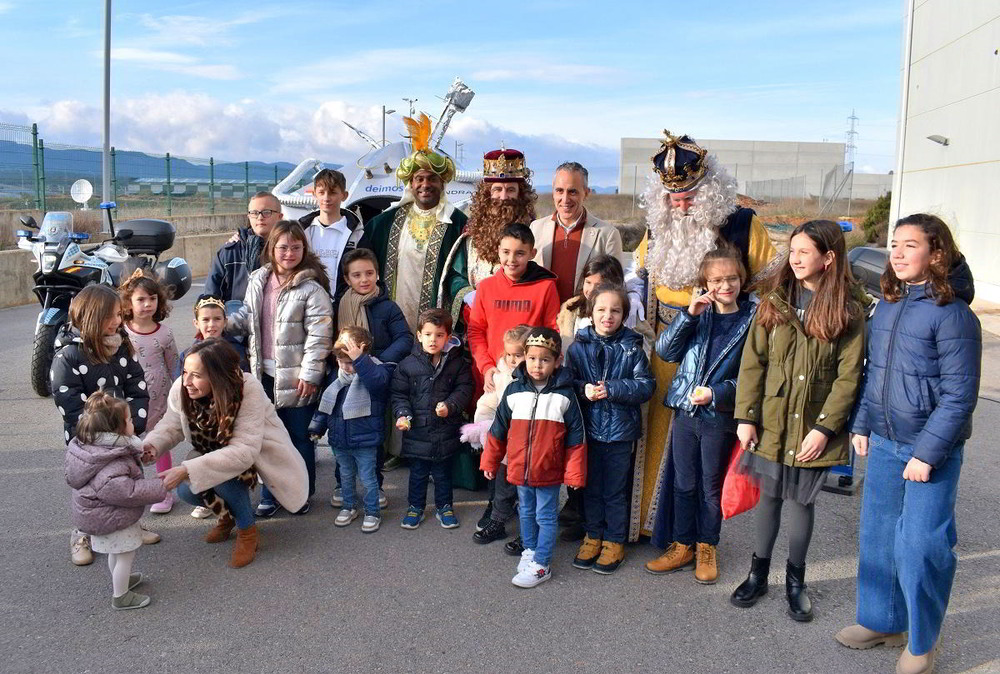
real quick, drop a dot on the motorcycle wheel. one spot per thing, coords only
(42, 351)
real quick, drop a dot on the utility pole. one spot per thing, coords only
(384, 113)
(411, 101)
(106, 150)
(852, 138)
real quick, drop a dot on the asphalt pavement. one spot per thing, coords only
(323, 599)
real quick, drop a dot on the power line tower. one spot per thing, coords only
(852, 138)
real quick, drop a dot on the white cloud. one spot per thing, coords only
(175, 62)
(150, 56)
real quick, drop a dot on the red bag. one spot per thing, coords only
(739, 491)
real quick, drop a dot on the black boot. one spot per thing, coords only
(799, 605)
(487, 516)
(755, 586)
(493, 531)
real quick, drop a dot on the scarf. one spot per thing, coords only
(357, 402)
(207, 436)
(352, 308)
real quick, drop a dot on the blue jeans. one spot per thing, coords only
(700, 453)
(359, 461)
(539, 510)
(296, 421)
(908, 535)
(420, 469)
(233, 492)
(608, 471)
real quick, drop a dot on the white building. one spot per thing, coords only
(948, 159)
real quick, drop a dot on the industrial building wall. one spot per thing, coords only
(954, 92)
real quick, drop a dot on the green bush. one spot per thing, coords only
(876, 222)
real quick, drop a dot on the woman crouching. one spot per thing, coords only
(236, 435)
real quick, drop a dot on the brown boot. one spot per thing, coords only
(915, 664)
(612, 556)
(678, 556)
(861, 638)
(220, 532)
(245, 547)
(588, 554)
(706, 569)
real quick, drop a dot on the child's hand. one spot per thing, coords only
(353, 349)
(489, 474)
(441, 409)
(747, 433)
(812, 446)
(403, 423)
(315, 437)
(860, 443)
(148, 454)
(917, 471)
(488, 386)
(702, 395)
(600, 391)
(700, 303)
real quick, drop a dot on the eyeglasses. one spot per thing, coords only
(266, 213)
(294, 250)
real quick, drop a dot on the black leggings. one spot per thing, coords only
(800, 527)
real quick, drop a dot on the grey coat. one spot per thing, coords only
(303, 333)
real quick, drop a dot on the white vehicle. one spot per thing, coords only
(375, 187)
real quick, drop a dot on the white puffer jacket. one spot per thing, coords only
(303, 334)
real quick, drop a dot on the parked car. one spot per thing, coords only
(867, 265)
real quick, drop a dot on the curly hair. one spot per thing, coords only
(153, 287)
(487, 218)
(944, 252)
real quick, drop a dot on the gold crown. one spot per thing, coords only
(210, 302)
(505, 168)
(680, 162)
(542, 341)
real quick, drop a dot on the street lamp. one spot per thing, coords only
(384, 113)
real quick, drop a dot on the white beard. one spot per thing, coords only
(676, 257)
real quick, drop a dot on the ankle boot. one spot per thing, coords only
(220, 532)
(799, 605)
(755, 586)
(245, 547)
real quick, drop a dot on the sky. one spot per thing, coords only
(559, 80)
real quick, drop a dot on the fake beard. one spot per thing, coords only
(487, 231)
(678, 250)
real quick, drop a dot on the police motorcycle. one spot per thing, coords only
(66, 266)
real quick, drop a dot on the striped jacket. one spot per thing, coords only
(541, 433)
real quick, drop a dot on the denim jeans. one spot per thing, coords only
(420, 469)
(359, 461)
(233, 492)
(296, 421)
(379, 474)
(605, 507)
(700, 453)
(539, 511)
(908, 534)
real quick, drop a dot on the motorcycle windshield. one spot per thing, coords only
(55, 225)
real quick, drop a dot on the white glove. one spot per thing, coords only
(470, 297)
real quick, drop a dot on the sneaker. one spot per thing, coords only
(588, 554)
(532, 575)
(612, 556)
(80, 552)
(149, 537)
(383, 501)
(514, 547)
(446, 516)
(486, 518)
(134, 580)
(493, 531)
(346, 516)
(527, 556)
(129, 600)
(303, 510)
(201, 513)
(413, 518)
(370, 524)
(337, 500)
(164, 506)
(391, 464)
(266, 509)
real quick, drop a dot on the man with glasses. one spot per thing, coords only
(239, 256)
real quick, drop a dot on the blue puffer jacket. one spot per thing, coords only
(392, 338)
(368, 431)
(619, 361)
(922, 375)
(685, 341)
(233, 264)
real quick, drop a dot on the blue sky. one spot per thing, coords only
(559, 80)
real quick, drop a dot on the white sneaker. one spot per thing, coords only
(346, 516)
(526, 557)
(533, 574)
(370, 524)
(201, 512)
(337, 500)
(383, 502)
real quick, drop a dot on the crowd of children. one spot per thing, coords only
(783, 374)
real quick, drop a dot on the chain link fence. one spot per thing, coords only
(777, 190)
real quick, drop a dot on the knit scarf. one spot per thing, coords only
(352, 308)
(357, 402)
(209, 436)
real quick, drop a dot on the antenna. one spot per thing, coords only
(852, 137)
(364, 136)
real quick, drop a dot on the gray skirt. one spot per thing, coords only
(787, 483)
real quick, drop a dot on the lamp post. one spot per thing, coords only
(384, 113)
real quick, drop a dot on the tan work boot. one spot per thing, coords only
(245, 547)
(612, 556)
(706, 570)
(79, 550)
(861, 638)
(915, 664)
(220, 532)
(590, 550)
(678, 556)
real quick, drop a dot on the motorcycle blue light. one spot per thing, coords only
(78, 236)
(22, 233)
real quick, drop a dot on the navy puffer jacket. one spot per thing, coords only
(366, 431)
(620, 362)
(392, 339)
(922, 376)
(685, 341)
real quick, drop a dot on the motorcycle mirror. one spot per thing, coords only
(28, 221)
(123, 235)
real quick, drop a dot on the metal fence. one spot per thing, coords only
(836, 189)
(38, 176)
(779, 189)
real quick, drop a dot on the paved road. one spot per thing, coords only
(323, 599)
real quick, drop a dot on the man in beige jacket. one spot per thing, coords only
(570, 237)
